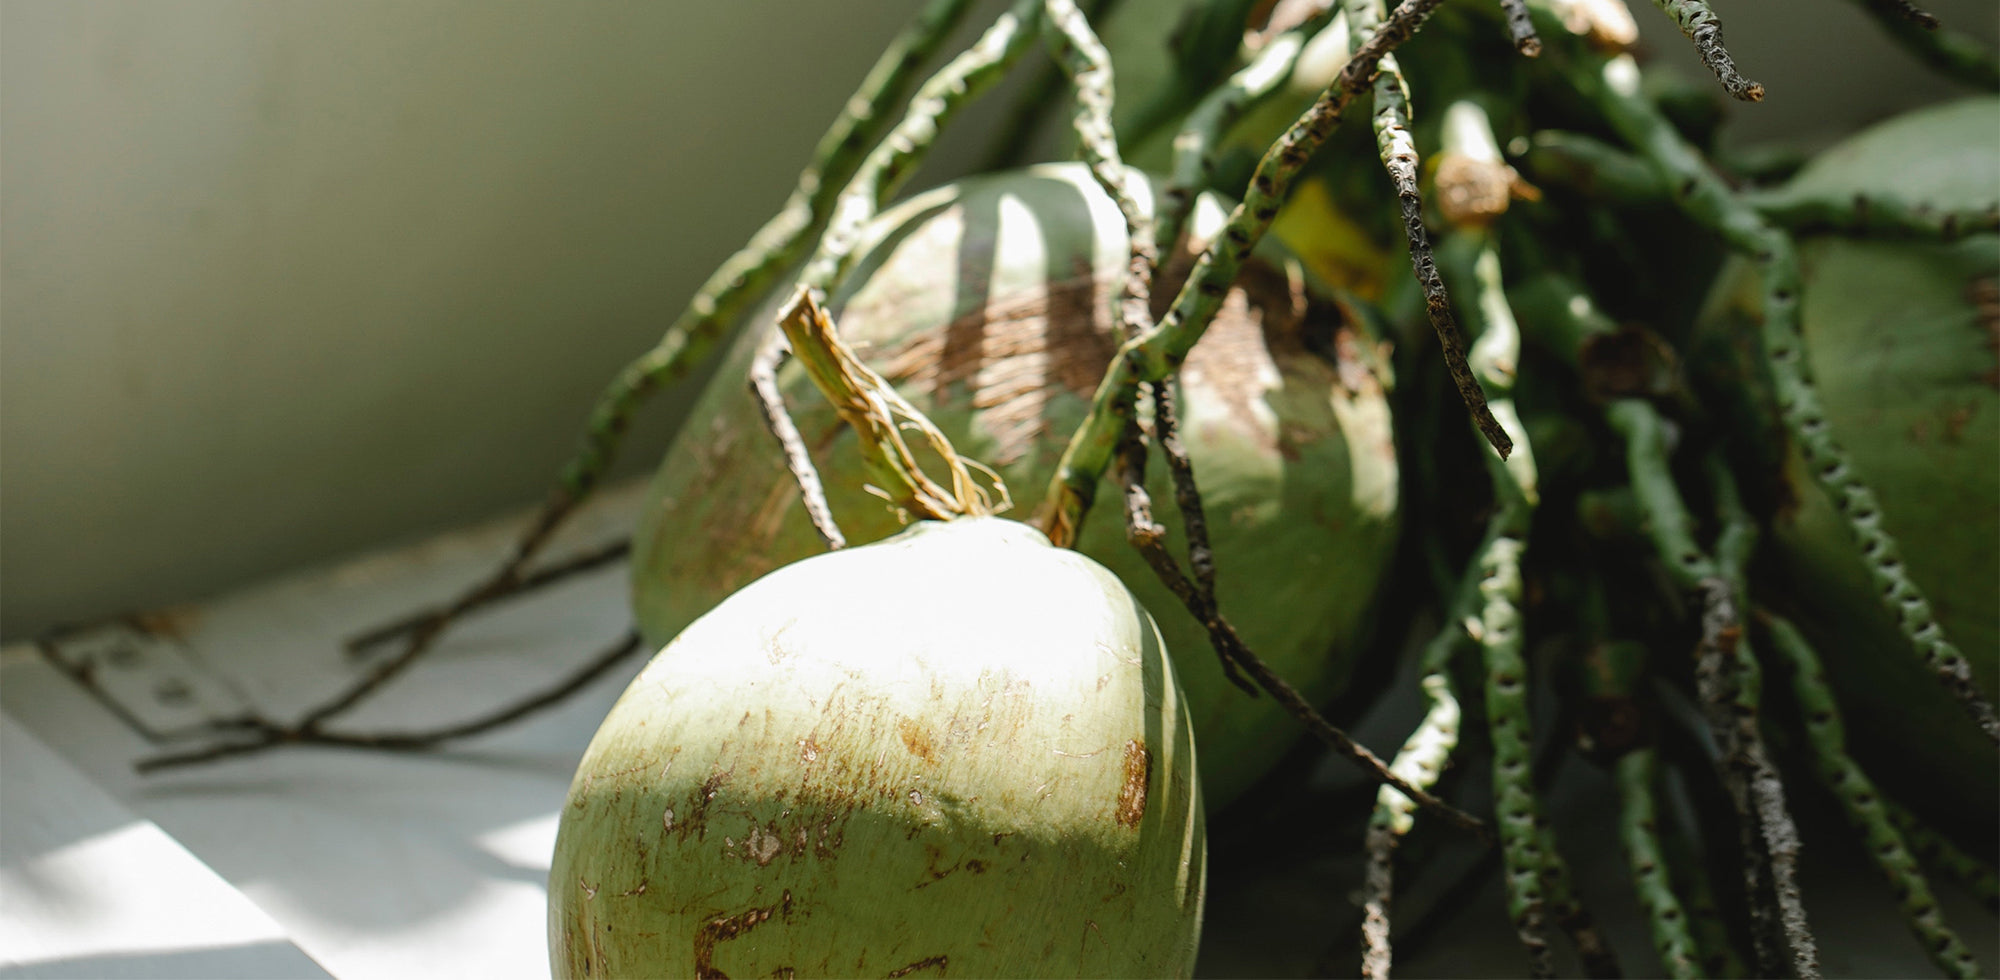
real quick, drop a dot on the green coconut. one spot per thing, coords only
(1903, 350)
(988, 305)
(956, 752)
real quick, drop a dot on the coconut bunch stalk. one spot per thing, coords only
(871, 762)
(1733, 525)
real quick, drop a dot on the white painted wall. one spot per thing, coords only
(284, 279)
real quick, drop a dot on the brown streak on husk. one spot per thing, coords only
(1132, 795)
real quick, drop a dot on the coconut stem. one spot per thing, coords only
(879, 416)
(1421, 761)
(1936, 850)
(1953, 54)
(1872, 217)
(1827, 740)
(1160, 352)
(1638, 825)
(1526, 842)
(1521, 27)
(863, 398)
(1083, 58)
(729, 290)
(1145, 534)
(1193, 165)
(1727, 676)
(254, 733)
(1398, 150)
(1703, 196)
(1700, 25)
(771, 402)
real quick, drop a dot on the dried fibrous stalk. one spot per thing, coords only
(771, 402)
(879, 415)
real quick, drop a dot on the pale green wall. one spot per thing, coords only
(284, 280)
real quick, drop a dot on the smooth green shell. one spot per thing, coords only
(988, 305)
(957, 752)
(1905, 363)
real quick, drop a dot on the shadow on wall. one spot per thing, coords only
(287, 280)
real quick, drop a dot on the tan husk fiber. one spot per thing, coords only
(988, 304)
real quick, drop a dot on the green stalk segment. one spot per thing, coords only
(1159, 352)
(1703, 196)
(1827, 739)
(1638, 825)
(1935, 849)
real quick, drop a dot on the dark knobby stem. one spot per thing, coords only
(1713, 663)
(261, 734)
(771, 403)
(1160, 352)
(1521, 27)
(1422, 761)
(1195, 145)
(1701, 26)
(1398, 151)
(540, 578)
(1145, 534)
(1378, 889)
(1534, 867)
(1734, 547)
(1187, 496)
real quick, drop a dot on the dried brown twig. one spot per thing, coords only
(260, 734)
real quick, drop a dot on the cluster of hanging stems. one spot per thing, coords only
(854, 172)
